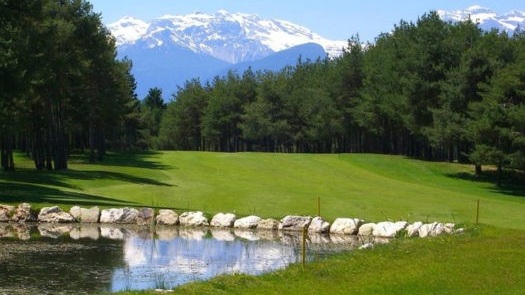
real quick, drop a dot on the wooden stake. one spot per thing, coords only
(477, 214)
(303, 252)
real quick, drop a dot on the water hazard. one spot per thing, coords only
(84, 259)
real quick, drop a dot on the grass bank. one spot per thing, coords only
(372, 187)
(485, 260)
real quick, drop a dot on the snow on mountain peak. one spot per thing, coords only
(128, 29)
(486, 18)
(231, 37)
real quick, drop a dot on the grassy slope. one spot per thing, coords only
(488, 261)
(485, 260)
(373, 187)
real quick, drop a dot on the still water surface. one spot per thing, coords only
(74, 259)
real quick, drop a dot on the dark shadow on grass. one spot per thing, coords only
(512, 182)
(33, 193)
(144, 159)
(60, 178)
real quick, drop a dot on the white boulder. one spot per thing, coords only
(413, 229)
(431, 229)
(167, 217)
(388, 229)
(24, 213)
(91, 215)
(6, 212)
(146, 216)
(449, 228)
(269, 223)
(366, 246)
(346, 226)
(319, 225)
(223, 220)
(366, 229)
(193, 219)
(119, 215)
(251, 221)
(55, 215)
(295, 223)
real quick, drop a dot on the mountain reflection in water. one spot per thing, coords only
(58, 258)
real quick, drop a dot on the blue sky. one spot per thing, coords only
(332, 19)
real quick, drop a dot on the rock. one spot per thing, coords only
(413, 229)
(248, 222)
(319, 225)
(438, 230)
(449, 228)
(24, 213)
(120, 215)
(193, 219)
(295, 223)
(6, 212)
(366, 246)
(223, 220)
(431, 229)
(366, 229)
(269, 223)
(146, 216)
(91, 215)
(388, 229)
(54, 215)
(75, 212)
(167, 217)
(347, 226)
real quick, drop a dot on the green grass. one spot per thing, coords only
(486, 260)
(372, 187)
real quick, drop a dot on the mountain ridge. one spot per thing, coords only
(172, 49)
(487, 18)
(232, 37)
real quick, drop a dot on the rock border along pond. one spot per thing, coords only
(146, 216)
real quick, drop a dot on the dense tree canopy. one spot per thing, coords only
(430, 89)
(62, 87)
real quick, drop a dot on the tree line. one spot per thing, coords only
(431, 89)
(61, 86)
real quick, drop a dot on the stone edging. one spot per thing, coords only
(146, 216)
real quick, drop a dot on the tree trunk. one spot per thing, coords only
(478, 169)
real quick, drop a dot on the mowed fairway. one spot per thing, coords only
(372, 187)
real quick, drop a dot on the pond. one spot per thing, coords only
(84, 259)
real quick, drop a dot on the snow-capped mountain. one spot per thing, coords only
(486, 18)
(172, 49)
(230, 37)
